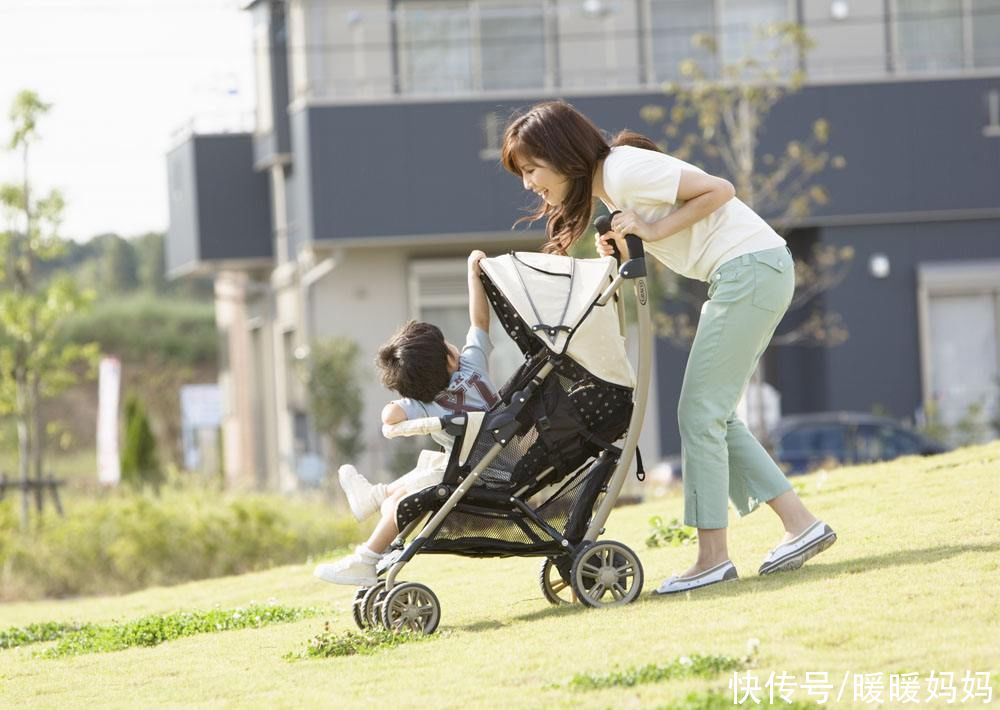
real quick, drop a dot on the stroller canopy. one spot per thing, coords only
(555, 298)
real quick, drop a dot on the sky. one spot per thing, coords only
(123, 77)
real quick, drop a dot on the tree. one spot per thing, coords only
(34, 363)
(719, 117)
(335, 398)
(140, 464)
(152, 262)
(121, 268)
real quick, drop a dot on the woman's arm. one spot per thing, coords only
(701, 193)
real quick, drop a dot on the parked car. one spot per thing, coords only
(807, 441)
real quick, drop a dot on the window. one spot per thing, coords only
(816, 441)
(959, 309)
(733, 23)
(673, 24)
(986, 33)
(884, 443)
(929, 34)
(471, 45)
(941, 35)
(439, 294)
(262, 67)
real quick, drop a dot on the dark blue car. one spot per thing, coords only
(808, 441)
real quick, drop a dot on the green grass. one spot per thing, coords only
(911, 586)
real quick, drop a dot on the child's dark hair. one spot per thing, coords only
(567, 140)
(414, 361)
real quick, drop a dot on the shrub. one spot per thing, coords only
(140, 463)
(138, 328)
(128, 541)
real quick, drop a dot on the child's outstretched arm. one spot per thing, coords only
(479, 309)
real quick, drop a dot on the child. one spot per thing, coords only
(434, 379)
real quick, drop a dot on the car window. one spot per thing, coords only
(883, 442)
(827, 440)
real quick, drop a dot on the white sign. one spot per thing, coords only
(109, 471)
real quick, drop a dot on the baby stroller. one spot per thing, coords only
(538, 474)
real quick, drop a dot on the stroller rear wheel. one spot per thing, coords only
(606, 573)
(365, 614)
(411, 606)
(555, 589)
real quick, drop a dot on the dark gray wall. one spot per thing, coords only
(415, 168)
(220, 208)
(880, 363)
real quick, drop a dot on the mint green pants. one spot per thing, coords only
(721, 459)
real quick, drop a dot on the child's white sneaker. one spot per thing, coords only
(363, 497)
(357, 569)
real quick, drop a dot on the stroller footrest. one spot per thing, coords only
(489, 498)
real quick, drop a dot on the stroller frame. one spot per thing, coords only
(598, 567)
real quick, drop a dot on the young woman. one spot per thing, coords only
(693, 223)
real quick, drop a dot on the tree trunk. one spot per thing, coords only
(38, 443)
(23, 447)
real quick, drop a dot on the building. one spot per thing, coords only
(373, 171)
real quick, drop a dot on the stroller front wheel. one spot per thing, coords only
(606, 573)
(411, 606)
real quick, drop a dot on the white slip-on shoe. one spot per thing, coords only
(792, 554)
(720, 573)
(363, 497)
(357, 569)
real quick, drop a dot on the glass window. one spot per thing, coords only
(262, 67)
(456, 47)
(435, 47)
(734, 23)
(740, 24)
(883, 443)
(986, 33)
(817, 441)
(929, 35)
(673, 25)
(512, 38)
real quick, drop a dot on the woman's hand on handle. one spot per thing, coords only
(628, 222)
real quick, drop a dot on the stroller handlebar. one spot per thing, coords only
(635, 267)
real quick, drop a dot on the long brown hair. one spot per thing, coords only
(564, 138)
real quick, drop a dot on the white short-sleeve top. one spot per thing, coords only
(646, 182)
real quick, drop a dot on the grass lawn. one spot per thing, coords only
(910, 587)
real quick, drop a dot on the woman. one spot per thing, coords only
(693, 223)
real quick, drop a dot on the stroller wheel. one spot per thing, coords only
(411, 606)
(366, 609)
(358, 608)
(555, 589)
(606, 573)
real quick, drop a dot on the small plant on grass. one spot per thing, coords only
(694, 666)
(157, 628)
(37, 633)
(352, 643)
(721, 700)
(669, 534)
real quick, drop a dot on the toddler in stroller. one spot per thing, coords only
(435, 380)
(537, 474)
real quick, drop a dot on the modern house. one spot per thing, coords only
(373, 170)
